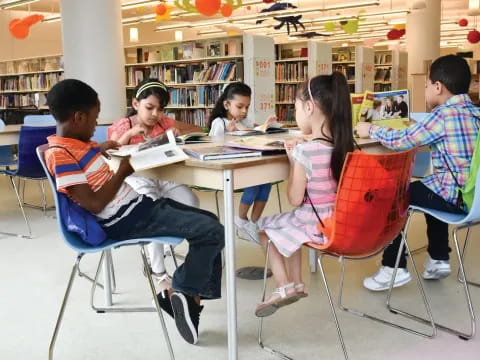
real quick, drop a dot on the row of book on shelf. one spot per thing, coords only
(185, 50)
(30, 82)
(187, 73)
(383, 59)
(285, 93)
(195, 96)
(23, 100)
(383, 74)
(31, 65)
(291, 71)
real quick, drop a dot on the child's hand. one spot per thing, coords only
(125, 168)
(137, 130)
(363, 129)
(271, 119)
(176, 131)
(107, 145)
(232, 125)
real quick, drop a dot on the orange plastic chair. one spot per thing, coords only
(371, 209)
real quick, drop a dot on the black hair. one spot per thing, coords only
(453, 72)
(69, 96)
(160, 92)
(332, 96)
(236, 88)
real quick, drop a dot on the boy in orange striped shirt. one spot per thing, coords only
(81, 173)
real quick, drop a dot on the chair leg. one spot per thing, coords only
(112, 272)
(216, 203)
(461, 335)
(382, 321)
(174, 257)
(63, 307)
(279, 200)
(29, 236)
(87, 277)
(111, 309)
(157, 305)
(312, 259)
(260, 327)
(332, 307)
(465, 245)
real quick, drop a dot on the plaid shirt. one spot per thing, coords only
(451, 131)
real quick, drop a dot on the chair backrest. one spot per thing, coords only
(39, 120)
(474, 213)
(71, 239)
(100, 134)
(371, 203)
(30, 138)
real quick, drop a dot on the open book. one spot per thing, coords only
(192, 138)
(271, 128)
(260, 143)
(156, 152)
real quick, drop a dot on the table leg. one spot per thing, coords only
(107, 284)
(230, 265)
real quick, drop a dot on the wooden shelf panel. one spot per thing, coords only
(304, 58)
(184, 61)
(31, 73)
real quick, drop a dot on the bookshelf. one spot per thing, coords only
(195, 72)
(296, 62)
(474, 88)
(390, 70)
(25, 82)
(356, 63)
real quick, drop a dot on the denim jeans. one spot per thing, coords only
(437, 231)
(201, 272)
(256, 193)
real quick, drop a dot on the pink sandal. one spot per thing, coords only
(300, 290)
(282, 296)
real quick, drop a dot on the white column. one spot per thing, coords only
(93, 51)
(423, 34)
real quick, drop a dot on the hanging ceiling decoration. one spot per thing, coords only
(350, 26)
(209, 7)
(284, 20)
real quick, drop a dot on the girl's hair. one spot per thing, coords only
(236, 88)
(331, 94)
(150, 87)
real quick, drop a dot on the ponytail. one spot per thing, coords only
(236, 88)
(332, 96)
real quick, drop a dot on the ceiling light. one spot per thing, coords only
(135, 4)
(191, 25)
(15, 3)
(138, 19)
(52, 18)
(473, 7)
(133, 34)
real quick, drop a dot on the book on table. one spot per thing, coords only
(264, 129)
(155, 152)
(193, 138)
(265, 144)
(220, 152)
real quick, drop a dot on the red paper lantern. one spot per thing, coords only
(473, 36)
(207, 7)
(161, 9)
(394, 34)
(226, 10)
(18, 29)
(463, 22)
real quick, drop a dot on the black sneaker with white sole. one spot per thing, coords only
(187, 316)
(165, 302)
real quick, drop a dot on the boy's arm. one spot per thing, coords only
(424, 132)
(95, 202)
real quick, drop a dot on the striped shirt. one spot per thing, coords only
(88, 167)
(451, 131)
(121, 126)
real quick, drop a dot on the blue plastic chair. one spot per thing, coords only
(28, 166)
(100, 134)
(39, 120)
(74, 242)
(422, 164)
(457, 222)
(7, 158)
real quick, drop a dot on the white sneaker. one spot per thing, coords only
(381, 280)
(239, 223)
(436, 269)
(247, 230)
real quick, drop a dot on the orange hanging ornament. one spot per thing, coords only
(207, 7)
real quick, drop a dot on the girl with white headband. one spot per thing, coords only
(145, 120)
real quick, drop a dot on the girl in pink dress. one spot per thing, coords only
(324, 115)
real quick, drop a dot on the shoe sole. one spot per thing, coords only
(397, 284)
(437, 275)
(182, 318)
(270, 309)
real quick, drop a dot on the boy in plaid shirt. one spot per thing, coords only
(451, 131)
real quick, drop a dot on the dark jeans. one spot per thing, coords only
(201, 273)
(437, 231)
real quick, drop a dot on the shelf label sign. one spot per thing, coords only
(263, 67)
(323, 69)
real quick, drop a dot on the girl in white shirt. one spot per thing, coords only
(230, 114)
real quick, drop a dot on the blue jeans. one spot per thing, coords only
(201, 272)
(256, 193)
(437, 231)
